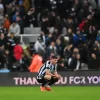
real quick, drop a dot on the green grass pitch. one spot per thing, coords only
(58, 93)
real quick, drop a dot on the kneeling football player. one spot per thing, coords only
(47, 74)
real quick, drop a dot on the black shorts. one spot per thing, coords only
(41, 80)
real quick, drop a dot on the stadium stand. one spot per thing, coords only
(69, 29)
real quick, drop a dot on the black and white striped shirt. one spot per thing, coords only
(46, 66)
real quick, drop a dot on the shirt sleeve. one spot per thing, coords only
(55, 67)
(47, 64)
(78, 65)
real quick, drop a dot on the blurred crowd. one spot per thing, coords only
(69, 29)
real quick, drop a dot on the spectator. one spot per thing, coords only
(81, 26)
(18, 50)
(78, 38)
(14, 28)
(55, 34)
(49, 39)
(36, 63)
(94, 63)
(97, 43)
(11, 42)
(25, 62)
(61, 64)
(8, 60)
(93, 3)
(84, 52)
(17, 56)
(98, 36)
(67, 52)
(81, 16)
(51, 49)
(2, 49)
(6, 22)
(45, 24)
(59, 47)
(1, 12)
(43, 36)
(26, 5)
(2, 40)
(74, 62)
(31, 18)
(1, 6)
(69, 23)
(70, 36)
(75, 50)
(39, 46)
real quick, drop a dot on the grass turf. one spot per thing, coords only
(58, 93)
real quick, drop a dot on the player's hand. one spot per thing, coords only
(58, 76)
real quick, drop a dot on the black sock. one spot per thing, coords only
(52, 81)
(44, 82)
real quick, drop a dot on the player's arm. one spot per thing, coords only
(48, 70)
(48, 73)
(56, 73)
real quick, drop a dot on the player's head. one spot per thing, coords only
(54, 59)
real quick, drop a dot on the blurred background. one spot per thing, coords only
(32, 29)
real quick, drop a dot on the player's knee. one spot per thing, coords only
(56, 79)
(48, 77)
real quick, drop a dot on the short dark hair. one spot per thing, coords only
(54, 57)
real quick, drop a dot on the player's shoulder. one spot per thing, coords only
(48, 62)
